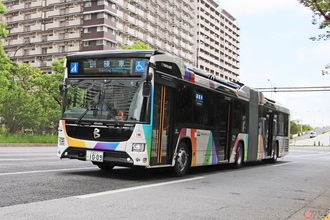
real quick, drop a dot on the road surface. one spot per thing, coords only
(35, 184)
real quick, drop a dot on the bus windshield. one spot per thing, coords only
(104, 100)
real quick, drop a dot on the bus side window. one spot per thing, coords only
(280, 124)
(184, 106)
(199, 111)
(239, 117)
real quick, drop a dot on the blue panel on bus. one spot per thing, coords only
(140, 66)
(74, 67)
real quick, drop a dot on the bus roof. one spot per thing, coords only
(118, 53)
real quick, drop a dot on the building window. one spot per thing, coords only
(63, 11)
(44, 38)
(87, 30)
(27, 28)
(88, 4)
(27, 5)
(27, 17)
(113, 32)
(61, 49)
(113, 19)
(26, 52)
(62, 36)
(86, 43)
(102, 28)
(44, 50)
(62, 23)
(102, 15)
(102, 2)
(43, 63)
(26, 39)
(113, 6)
(101, 42)
(9, 19)
(88, 17)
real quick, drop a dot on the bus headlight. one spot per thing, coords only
(138, 147)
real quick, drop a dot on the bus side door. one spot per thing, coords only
(162, 128)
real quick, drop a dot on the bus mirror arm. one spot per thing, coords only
(63, 88)
(146, 85)
(146, 89)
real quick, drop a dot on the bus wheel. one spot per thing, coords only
(239, 156)
(275, 156)
(104, 166)
(182, 162)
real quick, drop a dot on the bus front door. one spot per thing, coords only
(162, 129)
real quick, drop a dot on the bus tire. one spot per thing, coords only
(183, 160)
(104, 166)
(239, 156)
(275, 156)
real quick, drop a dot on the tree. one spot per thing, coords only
(28, 98)
(138, 45)
(293, 127)
(49, 97)
(20, 108)
(50, 83)
(3, 25)
(321, 17)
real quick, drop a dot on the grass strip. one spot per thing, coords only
(8, 138)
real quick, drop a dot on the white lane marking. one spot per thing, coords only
(26, 158)
(11, 159)
(305, 155)
(282, 164)
(45, 171)
(135, 188)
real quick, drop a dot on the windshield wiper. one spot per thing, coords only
(113, 116)
(84, 113)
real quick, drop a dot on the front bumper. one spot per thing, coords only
(115, 158)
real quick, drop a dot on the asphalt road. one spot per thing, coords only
(318, 131)
(322, 138)
(35, 184)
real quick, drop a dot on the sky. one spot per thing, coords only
(276, 52)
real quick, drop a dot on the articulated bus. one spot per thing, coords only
(147, 108)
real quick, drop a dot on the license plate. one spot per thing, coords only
(94, 156)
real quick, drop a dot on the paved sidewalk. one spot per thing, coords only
(319, 208)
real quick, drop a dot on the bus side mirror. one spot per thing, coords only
(61, 87)
(146, 89)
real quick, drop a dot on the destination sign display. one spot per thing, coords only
(107, 67)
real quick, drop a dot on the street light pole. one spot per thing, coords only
(26, 42)
(271, 86)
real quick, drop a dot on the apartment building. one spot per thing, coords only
(41, 31)
(218, 41)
